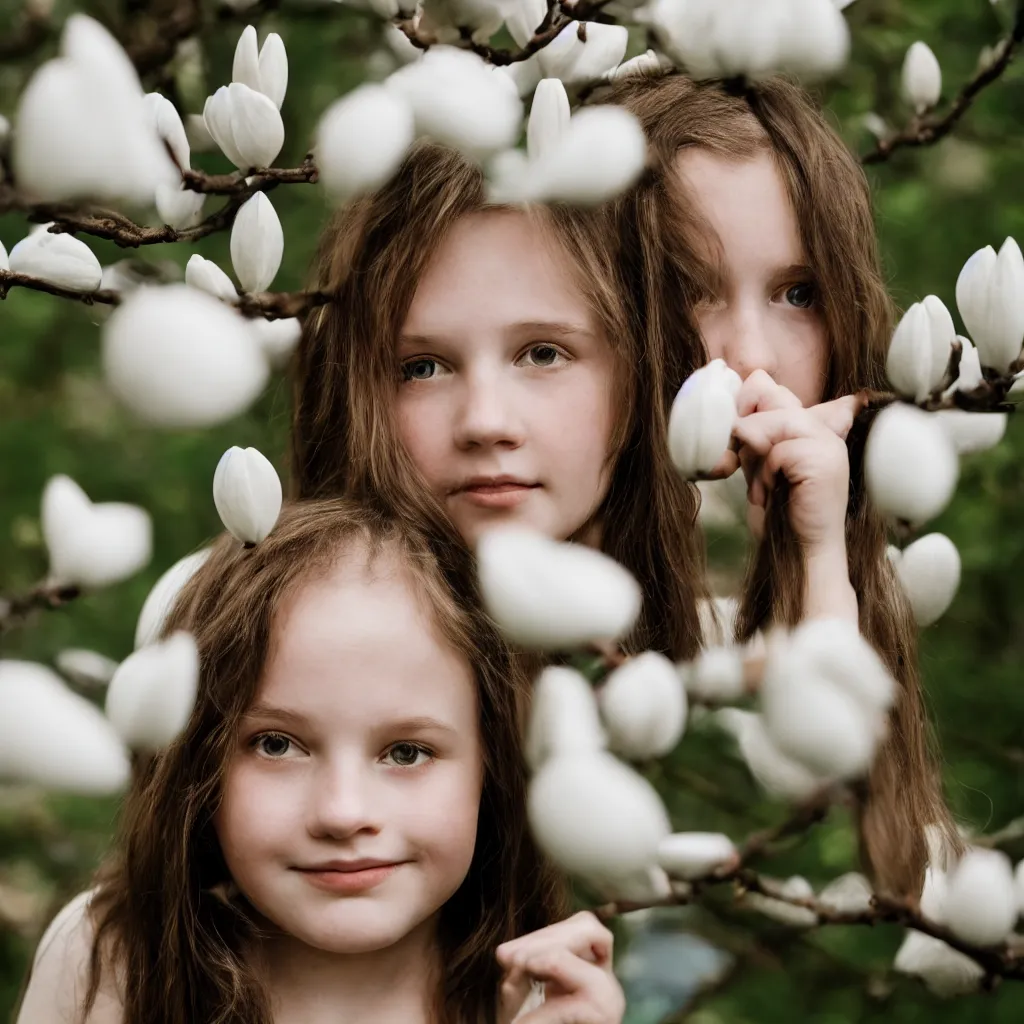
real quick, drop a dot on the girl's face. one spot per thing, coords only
(350, 802)
(765, 312)
(506, 403)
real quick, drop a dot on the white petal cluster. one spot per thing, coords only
(920, 349)
(563, 717)
(160, 600)
(693, 855)
(208, 277)
(702, 419)
(257, 243)
(990, 297)
(82, 130)
(547, 595)
(264, 69)
(482, 17)
(92, 545)
(929, 570)
(61, 259)
(795, 888)
(922, 77)
(247, 492)
(87, 669)
(178, 206)
(583, 52)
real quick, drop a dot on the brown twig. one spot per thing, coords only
(15, 611)
(928, 130)
(9, 280)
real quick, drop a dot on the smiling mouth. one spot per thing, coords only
(498, 494)
(346, 882)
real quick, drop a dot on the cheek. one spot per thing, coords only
(249, 814)
(805, 367)
(419, 421)
(445, 819)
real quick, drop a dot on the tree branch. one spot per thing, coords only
(17, 610)
(9, 280)
(928, 130)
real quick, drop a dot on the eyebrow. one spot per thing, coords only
(418, 723)
(558, 328)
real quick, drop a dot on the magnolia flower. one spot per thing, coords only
(206, 275)
(694, 855)
(848, 894)
(166, 122)
(86, 668)
(582, 53)
(910, 465)
(277, 339)
(643, 705)
(702, 419)
(362, 139)
(715, 676)
(563, 717)
(446, 17)
(266, 70)
(247, 493)
(180, 358)
(944, 970)
(990, 297)
(981, 902)
(596, 817)
(257, 243)
(179, 206)
(922, 77)
(460, 101)
(547, 595)
(92, 545)
(61, 259)
(523, 18)
(644, 65)
(245, 124)
(549, 118)
(82, 130)
(920, 349)
(525, 75)
(1018, 882)
(151, 696)
(52, 737)
(795, 888)
(929, 570)
(161, 598)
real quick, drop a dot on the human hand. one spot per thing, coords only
(573, 961)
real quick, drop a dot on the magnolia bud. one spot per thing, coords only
(481, 17)
(702, 419)
(180, 358)
(581, 55)
(166, 122)
(644, 65)
(205, 274)
(990, 297)
(52, 737)
(716, 676)
(61, 259)
(920, 348)
(922, 77)
(277, 339)
(523, 18)
(694, 855)
(596, 817)
(179, 206)
(563, 717)
(549, 118)
(265, 71)
(795, 888)
(1018, 882)
(92, 545)
(245, 124)
(643, 705)
(981, 903)
(848, 894)
(257, 243)
(945, 971)
(161, 598)
(547, 595)
(247, 493)
(972, 431)
(969, 375)
(929, 570)
(910, 465)
(86, 668)
(362, 139)
(151, 696)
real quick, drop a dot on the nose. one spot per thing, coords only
(743, 339)
(341, 803)
(489, 412)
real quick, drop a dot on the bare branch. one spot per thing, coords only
(15, 611)
(928, 130)
(10, 280)
(281, 305)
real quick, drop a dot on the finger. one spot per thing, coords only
(760, 393)
(726, 466)
(761, 430)
(582, 934)
(515, 990)
(839, 414)
(576, 992)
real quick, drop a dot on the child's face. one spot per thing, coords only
(350, 803)
(765, 314)
(507, 399)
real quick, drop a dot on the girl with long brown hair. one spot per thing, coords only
(339, 833)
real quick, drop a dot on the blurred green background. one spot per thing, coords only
(935, 207)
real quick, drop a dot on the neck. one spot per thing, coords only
(394, 985)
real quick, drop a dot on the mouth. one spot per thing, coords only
(348, 878)
(496, 491)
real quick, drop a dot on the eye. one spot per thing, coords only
(273, 745)
(420, 368)
(407, 755)
(803, 295)
(542, 355)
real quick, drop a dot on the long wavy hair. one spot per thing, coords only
(167, 928)
(666, 276)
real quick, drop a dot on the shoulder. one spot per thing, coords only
(59, 978)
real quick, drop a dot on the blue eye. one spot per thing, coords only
(419, 369)
(803, 296)
(406, 755)
(272, 744)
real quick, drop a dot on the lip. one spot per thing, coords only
(350, 877)
(495, 491)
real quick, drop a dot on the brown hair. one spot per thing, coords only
(344, 440)
(663, 268)
(163, 923)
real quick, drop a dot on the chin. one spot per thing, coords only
(355, 932)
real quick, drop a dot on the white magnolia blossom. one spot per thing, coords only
(990, 297)
(1018, 883)
(643, 705)
(547, 595)
(702, 419)
(92, 545)
(167, 124)
(694, 855)
(523, 18)
(910, 464)
(583, 52)
(277, 339)
(362, 139)
(60, 259)
(848, 894)
(549, 118)
(82, 130)
(929, 570)
(920, 349)
(180, 358)
(257, 243)
(160, 600)
(482, 17)
(727, 38)
(795, 888)
(596, 817)
(981, 903)
(151, 696)
(643, 65)
(247, 492)
(265, 69)
(178, 206)
(563, 717)
(922, 77)
(52, 737)
(460, 101)
(245, 124)
(88, 669)
(206, 275)
(825, 696)
(715, 676)
(525, 75)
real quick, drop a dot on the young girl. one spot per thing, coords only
(339, 834)
(752, 240)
